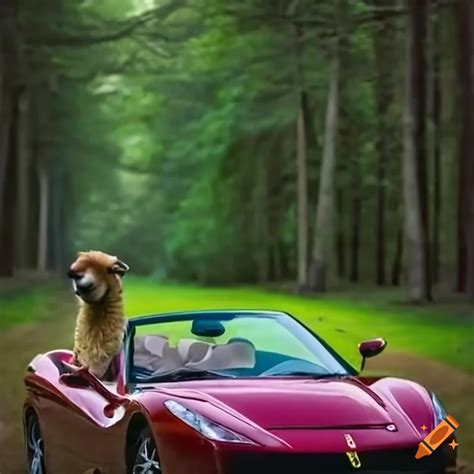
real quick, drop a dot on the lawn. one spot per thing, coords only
(434, 332)
(437, 332)
(23, 305)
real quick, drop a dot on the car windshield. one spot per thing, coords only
(221, 345)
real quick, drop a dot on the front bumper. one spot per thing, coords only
(204, 457)
(375, 462)
(186, 452)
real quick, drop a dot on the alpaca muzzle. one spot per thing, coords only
(74, 275)
(82, 283)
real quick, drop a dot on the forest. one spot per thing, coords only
(311, 143)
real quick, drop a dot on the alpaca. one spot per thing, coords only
(100, 323)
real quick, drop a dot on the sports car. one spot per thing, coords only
(226, 392)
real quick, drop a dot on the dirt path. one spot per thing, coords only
(19, 345)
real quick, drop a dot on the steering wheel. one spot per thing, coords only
(295, 365)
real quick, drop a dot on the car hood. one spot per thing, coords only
(293, 403)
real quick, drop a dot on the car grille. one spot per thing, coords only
(376, 462)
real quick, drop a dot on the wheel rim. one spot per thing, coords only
(35, 447)
(147, 459)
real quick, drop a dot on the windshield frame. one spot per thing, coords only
(220, 315)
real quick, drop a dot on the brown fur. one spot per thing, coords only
(100, 325)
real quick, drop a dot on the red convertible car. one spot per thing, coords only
(226, 392)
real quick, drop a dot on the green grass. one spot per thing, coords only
(341, 321)
(437, 332)
(24, 305)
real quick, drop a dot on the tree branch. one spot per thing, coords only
(75, 39)
(107, 70)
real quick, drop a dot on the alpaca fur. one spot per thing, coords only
(100, 323)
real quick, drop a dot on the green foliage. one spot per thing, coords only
(179, 142)
(179, 135)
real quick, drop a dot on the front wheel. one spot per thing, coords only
(34, 446)
(146, 458)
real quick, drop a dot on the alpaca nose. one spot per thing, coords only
(85, 286)
(75, 275)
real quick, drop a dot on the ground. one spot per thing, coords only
(340, 322)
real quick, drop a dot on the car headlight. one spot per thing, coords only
(439, 410)
(206, 427)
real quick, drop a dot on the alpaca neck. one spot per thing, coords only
(105, 311)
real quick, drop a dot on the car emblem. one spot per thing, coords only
(352, 455)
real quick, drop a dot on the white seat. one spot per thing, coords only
(192, 351)
(233, 355)
(149, 349)
(154, 353)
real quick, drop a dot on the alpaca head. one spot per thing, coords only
(95, 274)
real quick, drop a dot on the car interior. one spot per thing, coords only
(155, 355)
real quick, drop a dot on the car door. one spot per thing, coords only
(84, 426)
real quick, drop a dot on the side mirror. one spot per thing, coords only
(371, 348)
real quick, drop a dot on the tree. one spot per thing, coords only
(301, 166)
(324, 225)
(356, 217)
(23, 182)
(10, 77)
(383, 92)
(414, 159)
(435, 149)
(465, 28)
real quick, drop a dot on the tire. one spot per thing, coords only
(34, 446)
(145, 459)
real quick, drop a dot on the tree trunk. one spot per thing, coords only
(340, 238)
(414, 163)
(276, 261)
(302, 184)
(54, 229)
(383, 99)
(33, 181)
(23, 182)
(6, 112)
(323, 231)
(436, 138)
(44, 207)
(263, 238)
(355, 222)
(398, 258)
(9, 79)
(301, 168)
(380, 219)
(33, 217)
(8, 202)
(465, 22)
(6, 115)
(461, 274)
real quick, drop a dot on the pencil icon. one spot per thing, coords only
(434, 439)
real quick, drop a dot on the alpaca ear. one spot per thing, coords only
(119, 268)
